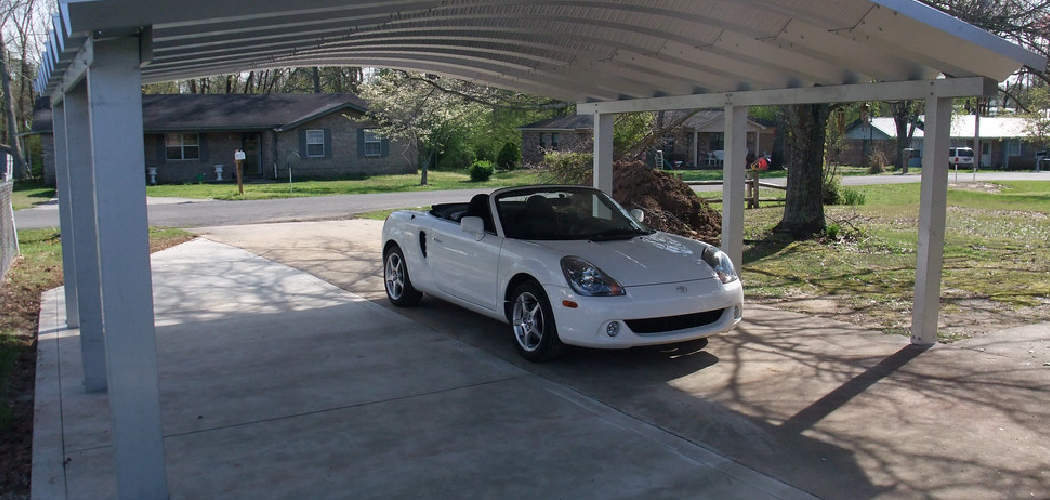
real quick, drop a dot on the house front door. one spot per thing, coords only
(251, 145)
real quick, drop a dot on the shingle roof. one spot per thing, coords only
(167, 112)
(565, 122)
(699, 121)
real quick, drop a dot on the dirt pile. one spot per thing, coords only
(670, 205)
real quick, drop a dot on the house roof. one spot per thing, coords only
(572, 50)
(564, 122)
(201, 112)
(706, 120)
(992, 127)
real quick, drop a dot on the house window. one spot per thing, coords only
(1013, 148)
(315, 143)
(554, 141)
(179, 146)
(717, 141)
(373, 143)
(543, 140)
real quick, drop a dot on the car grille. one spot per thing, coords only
(672, 323)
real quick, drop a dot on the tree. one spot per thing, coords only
(804, 203)
(448, 117)
(18, 15)
(1038, 118)
(906, 118)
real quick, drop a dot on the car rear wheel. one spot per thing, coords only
(395, 275)
(532, 322)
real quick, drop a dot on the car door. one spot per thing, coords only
(467, 268)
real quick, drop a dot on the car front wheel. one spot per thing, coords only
(532, 321)
(395, 275)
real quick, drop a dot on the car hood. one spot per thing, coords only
(644, 260)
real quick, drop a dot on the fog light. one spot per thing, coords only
(736, 312)
(612, 329)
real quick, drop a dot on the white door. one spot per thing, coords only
(466, 268)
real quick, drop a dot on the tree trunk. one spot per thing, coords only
(905, 118)
(20, 170)
(317, 79)
(804, 205)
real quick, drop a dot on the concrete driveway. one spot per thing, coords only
(277, 385)
(824, 406)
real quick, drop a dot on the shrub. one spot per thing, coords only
(832, 231)
(509, 156)
(567, 167)
(481, 170)
(832, 192)
(852, 197)
(877, 162)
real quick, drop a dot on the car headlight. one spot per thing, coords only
(588, 279)
(721, 264)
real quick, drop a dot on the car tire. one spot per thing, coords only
(532, 324)
(398, 286)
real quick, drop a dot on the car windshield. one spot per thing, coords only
(564, 213)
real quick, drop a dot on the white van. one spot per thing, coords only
(960, 156)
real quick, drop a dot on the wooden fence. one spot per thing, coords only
(752, 185)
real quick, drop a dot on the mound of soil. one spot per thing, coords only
(670, 205)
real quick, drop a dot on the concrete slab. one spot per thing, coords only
(276, 384)
(833, 409)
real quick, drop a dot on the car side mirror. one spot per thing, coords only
(473, 225)
(638, 214)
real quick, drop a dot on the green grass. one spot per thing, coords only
(27, 194)
(365, 185)
(994, 258)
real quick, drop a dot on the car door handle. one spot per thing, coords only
(437, 240)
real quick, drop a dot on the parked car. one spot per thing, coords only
(960, 157)
(561, 265)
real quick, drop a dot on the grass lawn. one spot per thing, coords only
(996, 270)
(39, 269)
(27, 194)
(365, 185)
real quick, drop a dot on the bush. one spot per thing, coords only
(832, 192)
(832, 231)
(877, 162)
(509, 156)
(455, 157)
(852, 197)
(481, 170)
(568, 168)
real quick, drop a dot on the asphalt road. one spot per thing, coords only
(180, 212)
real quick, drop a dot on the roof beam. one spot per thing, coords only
(878, 91)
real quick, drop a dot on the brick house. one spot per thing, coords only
(187, 135)
(561, 133)
(1003, 140)
(697, 143)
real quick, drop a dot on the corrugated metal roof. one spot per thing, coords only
(577, 50)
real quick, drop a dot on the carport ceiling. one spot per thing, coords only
(576, 50)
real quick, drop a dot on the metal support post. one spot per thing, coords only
(932, 216)
(115, 94)
(603, 153)
(85, 241)
(734, 169)
(65, 216)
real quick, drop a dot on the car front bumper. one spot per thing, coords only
(662, 314)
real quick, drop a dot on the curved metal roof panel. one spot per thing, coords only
(577, 50)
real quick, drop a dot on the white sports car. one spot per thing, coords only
(561, 264)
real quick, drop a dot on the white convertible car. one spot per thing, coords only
(562, 265)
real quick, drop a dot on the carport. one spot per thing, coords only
(610, 57)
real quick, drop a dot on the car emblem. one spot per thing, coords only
(682, 289)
